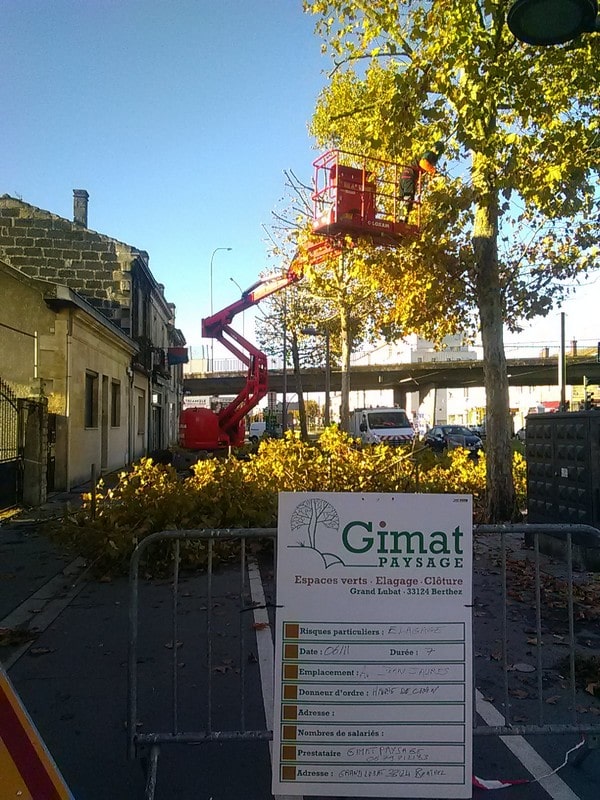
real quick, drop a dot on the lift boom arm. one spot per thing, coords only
(218, 327)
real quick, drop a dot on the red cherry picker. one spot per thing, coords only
(355, 198)
(204, 429)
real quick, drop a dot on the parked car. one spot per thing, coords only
(446, 437)
(521, 434)
(478, 430)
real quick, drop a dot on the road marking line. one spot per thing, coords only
(266, 656)
(527, 755)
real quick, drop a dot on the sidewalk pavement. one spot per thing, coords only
(34, 570)
(65, 644)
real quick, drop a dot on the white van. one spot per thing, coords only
(385, 425)
(256, 431)
(259, 430)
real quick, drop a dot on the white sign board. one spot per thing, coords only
(373, 664)
(195, 401)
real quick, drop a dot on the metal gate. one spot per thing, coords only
(11, 462)
(511, 661)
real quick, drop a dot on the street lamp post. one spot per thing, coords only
(562, 365)
(212, 343)
(315, 332)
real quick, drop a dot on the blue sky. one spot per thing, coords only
(179, 117)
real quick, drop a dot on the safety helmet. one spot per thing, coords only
(430, 158)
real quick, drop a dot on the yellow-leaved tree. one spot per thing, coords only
(514, 221)
(342, 295)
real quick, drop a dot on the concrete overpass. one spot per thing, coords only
(403, 378)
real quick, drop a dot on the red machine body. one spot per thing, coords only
(359, 197)
(204, 429)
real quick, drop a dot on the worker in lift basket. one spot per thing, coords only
(409, 177)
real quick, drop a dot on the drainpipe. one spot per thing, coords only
(131, 431)
(35, 356)
(149, 411)
(68, 400)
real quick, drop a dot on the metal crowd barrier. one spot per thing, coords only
(147, 743)
(497, 543)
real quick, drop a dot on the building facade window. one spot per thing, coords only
(115, 404)
(91, 400)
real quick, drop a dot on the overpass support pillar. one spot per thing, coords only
(424, 391)
(400, 396)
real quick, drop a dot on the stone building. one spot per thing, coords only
(113, 281)
(67, 387)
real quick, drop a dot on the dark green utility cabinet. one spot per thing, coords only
(563, 467)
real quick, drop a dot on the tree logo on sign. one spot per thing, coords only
(315, 516)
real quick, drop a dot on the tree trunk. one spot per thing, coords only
(345, 369)
(298, 377)
(499, 479)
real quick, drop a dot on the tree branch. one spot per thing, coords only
(339, 64)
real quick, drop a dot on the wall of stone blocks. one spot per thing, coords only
(43, 245)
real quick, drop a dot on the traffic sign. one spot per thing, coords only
(27, 770)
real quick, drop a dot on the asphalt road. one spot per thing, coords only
(72, 679)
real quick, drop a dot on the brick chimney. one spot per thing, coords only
(80, 207)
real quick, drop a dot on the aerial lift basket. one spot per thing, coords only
(359, 198)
